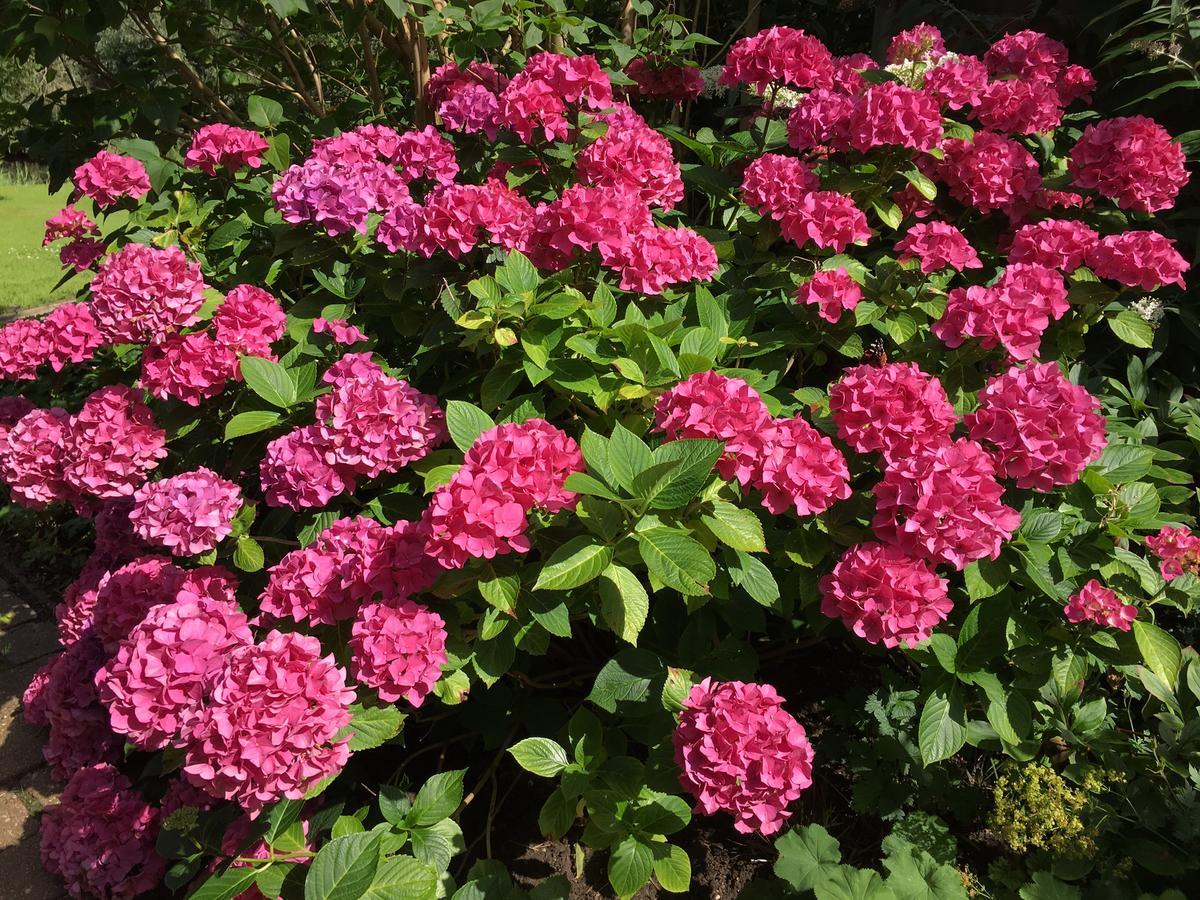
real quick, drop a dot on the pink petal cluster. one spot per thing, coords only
(1044, 429)
(636, 159)
(738, 750)
(467, 99)
(1144, 259)
(113, 444)
(339, 330)
(474, 516)
(893, 114)
(1027, 54)
(800, 468)
(81, 254)
(884, 596)
(107, 177)
(161, 676)
(1062, 244)
(99, 837)
(188, 513)
(338, 195)
(269, 730)
(191, 368)
(1014, 311)
(894, 408)
(773, 183)
(779, 55)
(921, 42)
(249, 321)
(72, 334)
(79, 732)
(655, 78)
(31, 456)
(585, 218)
(709, 405)
(1178, 551)
(349, 563)
(938, 246)
(224, 146)
(144, 292)
(956, 83)
(24, 346)
(832, 291)
(828, 219)
(425, 154)
(821, 118)
(399, 649)
(990, 172)
(944, 505)
(660, 257)
(293, 472)
(68, 222)
(126, 594)
(1097, 604)
(1019, 107)
(1131, 160)
(536, 100)
(74, 613)
(533, 459)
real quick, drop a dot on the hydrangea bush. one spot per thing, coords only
(557, 394)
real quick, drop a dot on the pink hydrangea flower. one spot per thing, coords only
(161, 676)
(472, 109)
(445, 222)
(773, 183)
(1061, 244)
(504, 214)
(68, 222)
(33, 699)
(31, 458)
(799, 468)
(1075, 83)
(990, 172)
(24, 346)
(828, 219)
(884, 596)
(72, 334)
(79, 732)
(779, 55)
(295, 474)
(1144, 259)
(913, 203)
(81, 254)
(360, 146)
(655, 78)
(1178, 551)
(249, 321)
(113, 444)
(474, 516)
(535, 100)
(833, 291)
(189, 367)
(225, 146)
(661, 257)
(821, 118)
(1028, 54)
(126, 594)
(1097, 604)
(339, 196)
(447, 79)
(1131, 160)
(75, 611)
(921, 42)
(398, 649)
(938, 246)
(637, 159)
(944, 505)
(583, 219)
(99, 837)
(1045, 430)
(425, 154)
(188, 514)
(1013, 312)
(738, 750)
(709, 405)
(107, 177)
(339, 330)
(269, 730)
(893, 114)
(532, 459)
(144, 292)
(956, 83)
(1019, 107)
(895, 408)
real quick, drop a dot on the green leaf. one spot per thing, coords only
(629, 866)
(673, 869)
(226, 885)
(941, 733)
(806, 856)
(268, 380)
(518, 274)
(371, 726)
(662, 814)
(889, 213)
(1046, 887)
(557, 815)
(915, 875)
(735, 527)
(437, 799)
(676, 560)
(694, 460)
(628, 457)
(466, 422)
(346, 825)
(575, 563)
(1159, 649)
(344, 868)
(1041, 526)
(540, 755)
(1123, 463)
(250, 423)
(403, 876)
(625, 679)
(624, 602)
(752, 576)
(275, 878)
(248, 554)
(924, 186)
(1132, 329)
(849, 883)
(501, 591)
(582, 483)
(263, 111)
(279, 155)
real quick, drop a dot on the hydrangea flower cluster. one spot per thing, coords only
(938, 246)
(895, 409)
(1142, 259)
(1101, 606)
(1131, 160)
(785, 190)
(68, 704)
(654, 78)
(113, 444)
(399, 649)
(69, 334)
(107, 177)
(832, 291)
(1178, 551)
(144, 292)
(739, 751)
(188, 514)
(221, 146)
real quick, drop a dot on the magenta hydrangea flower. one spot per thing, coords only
(33, 698)
(24, 346)
(79, 732)
(1131, 160)
(1101, 606)
(1062, 244)
(294, 473)
(81, 254)
(156, 684)
(944, 505)
(585, 218)
(249, 321)
(338, 196)
(1178, 552)
(828, 219)
(1019, 107)
(990, 172)
(535, 101)
(188, 514)
(884, 596)
(474, 516)
(269, 730)
(189, 367)
(655, 78)
(1045, 430)
(738, 750)
(919, 43)
(472, 109)
(425, 154)
(68, 222)
(224, 146)
(339, 330)
(1144, 259)
(660, 257)
(532, 460)
(893, 114)
(938, 246)
(956, 83)
(107, 177)
(637, 159)
(894, 408)
(74, 613)
(99, 837)
(126, 594)
(821, 118)
(709, 405)
(832, 291)
(799, 468)
(144, 292)
(113, 444)
(31, 458)
(398, 649)
(779, 55)
(72, 334)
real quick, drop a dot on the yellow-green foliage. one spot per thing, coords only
(1036, 808)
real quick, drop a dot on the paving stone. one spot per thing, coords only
(16, 822)
(20, 742)
(28, 642)
(22, 876)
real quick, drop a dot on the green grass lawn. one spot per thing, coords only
(28, 271)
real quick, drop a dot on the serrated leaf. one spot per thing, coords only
(226, 885)
(403, 876)
(371, 726)
(628, 457)
(557, 815)
(806, 856)
(248, 554)
(624, 602)
(1159, 649)
(575, 563)
(1041, 526)
(941, 733)
(466, 422)
(1132, 329)
(582, 483)
(268, 380)
(673, 869)
(250, 422)
(693, 461)
(735, 527)
(540, 755)
(437, 799)
(344, 868)
(629, 866)
(676, 560)
(849, 883)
